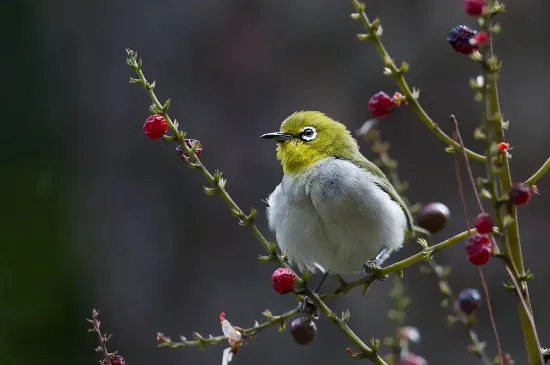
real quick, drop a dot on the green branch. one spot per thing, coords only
(540, 173)
(511, 242)
(374, 32)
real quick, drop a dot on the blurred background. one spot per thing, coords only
(96, 215)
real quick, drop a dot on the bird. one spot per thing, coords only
(334, 210)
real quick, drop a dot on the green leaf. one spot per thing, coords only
(166, 105)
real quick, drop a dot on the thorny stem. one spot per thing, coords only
(219, 185)
(217, 182)
(540, 173)
(512, 244)
(397, 74)
(101, 338)
(446, 290)
(200, 341)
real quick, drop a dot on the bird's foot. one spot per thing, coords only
(308, 308)
(371, 271)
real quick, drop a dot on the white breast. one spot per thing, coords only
(334, 215)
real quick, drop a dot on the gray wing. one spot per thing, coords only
(383, 182)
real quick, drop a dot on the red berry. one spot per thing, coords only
(484, 223)
(115, 360)
(380, 104)
(433, 217)
(460, 39)
(155, 126)
(479, 249)
(303, 330)
(519, 194)
(474, 7)
(283, 280)
(412, 359)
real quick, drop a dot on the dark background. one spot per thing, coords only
(98, 216)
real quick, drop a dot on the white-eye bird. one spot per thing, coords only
(334, 208)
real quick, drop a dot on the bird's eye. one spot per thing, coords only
(308, 134)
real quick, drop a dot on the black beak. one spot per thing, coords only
(278, 136)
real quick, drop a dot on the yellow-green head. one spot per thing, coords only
(306, 137)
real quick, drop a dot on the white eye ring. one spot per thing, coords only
(308, 133)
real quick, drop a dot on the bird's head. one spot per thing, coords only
(306, 137)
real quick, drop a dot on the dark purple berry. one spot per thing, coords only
(460, 39)
(519, 194)
(469, 300)
(303, 330)
(433, 217)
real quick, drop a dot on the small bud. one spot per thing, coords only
(479, 38)
(355, 16)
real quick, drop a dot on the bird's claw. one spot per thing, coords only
(371, 271)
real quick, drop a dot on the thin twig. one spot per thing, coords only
(101, 338)
(456, 134)
(445, 288)
(200, 341)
